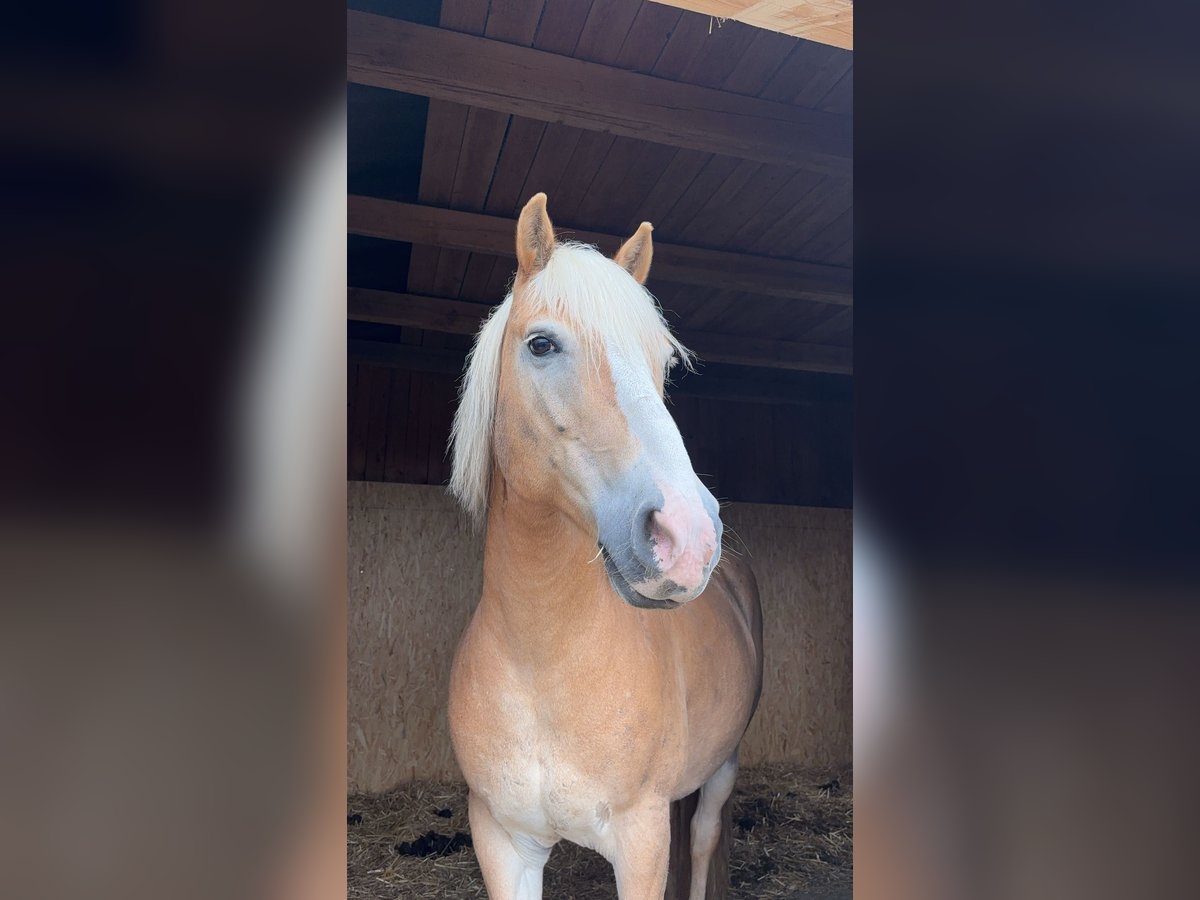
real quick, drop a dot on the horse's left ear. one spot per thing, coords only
(634, 255)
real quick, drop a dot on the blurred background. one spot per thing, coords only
(170, 527)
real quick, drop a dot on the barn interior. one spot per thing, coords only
(734, 141)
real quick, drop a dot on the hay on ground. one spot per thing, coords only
(792, 835)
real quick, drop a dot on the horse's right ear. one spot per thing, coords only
(535, 237)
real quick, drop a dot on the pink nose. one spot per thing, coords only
(667, 547)
(684, 542)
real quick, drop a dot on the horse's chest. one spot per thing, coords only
(550, 781)
(542, 790)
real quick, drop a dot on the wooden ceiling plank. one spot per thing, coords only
(711, 307)
(844, 255)
(688, 204)
(457, 317)
(502, 275)
(521, 147)
(818, 208)
(481, 142)
(476, 232)
(835, 325)
(804, 64)
(790, 241)
(447, 65)
(627, 201)
(686, 40)
(514, 21)
(482, 139)
(484, 135)
(445, 124)
(604, 204)
(608, 23)
(830, 66)
(750, 234)
(681, 171)
(719, 55)
(829, 239)
(826, 21)
(549, 166)
(581, 171)
(762, 59)
(840, 98)
(561, 24)
(705, 225)
(647, 37)
(468, 16)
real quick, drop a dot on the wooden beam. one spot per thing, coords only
(415, 311)
(457, 317)
(746, 351)
(508, 78)
(709, 387)
(715, 269)
(825, 21)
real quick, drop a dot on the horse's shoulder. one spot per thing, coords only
(735, 580)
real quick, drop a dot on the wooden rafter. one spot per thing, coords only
(716, 269)
(457, 317)
(489, 74)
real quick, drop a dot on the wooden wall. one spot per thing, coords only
(757, 452)
(415, 572)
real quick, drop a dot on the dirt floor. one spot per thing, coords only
(791, 829)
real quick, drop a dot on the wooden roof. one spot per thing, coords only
(734, 141)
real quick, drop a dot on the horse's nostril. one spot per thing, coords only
(662, 540)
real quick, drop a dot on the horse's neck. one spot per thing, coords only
(544, 582)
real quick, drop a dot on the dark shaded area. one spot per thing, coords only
(1025, 286)
(384, 132)
(144, 157)
(1026, 444)
(433, 844)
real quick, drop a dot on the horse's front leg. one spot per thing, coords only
(512, 864)
(640, 850)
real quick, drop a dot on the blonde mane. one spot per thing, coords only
(592, 294)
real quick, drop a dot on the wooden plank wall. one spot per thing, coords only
(399, 423)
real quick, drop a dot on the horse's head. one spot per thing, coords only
(565, 393)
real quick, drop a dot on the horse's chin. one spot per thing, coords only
(628, 592)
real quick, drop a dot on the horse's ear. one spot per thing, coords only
(634, 255)
(535, 236)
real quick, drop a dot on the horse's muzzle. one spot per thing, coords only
(672, 547)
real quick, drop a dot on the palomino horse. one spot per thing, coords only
(608, 669)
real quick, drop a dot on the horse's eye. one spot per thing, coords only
(539, 345)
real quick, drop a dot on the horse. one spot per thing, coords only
(610, 667)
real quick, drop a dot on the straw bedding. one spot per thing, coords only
(791, 838)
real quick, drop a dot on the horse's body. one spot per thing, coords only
(586, 696)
